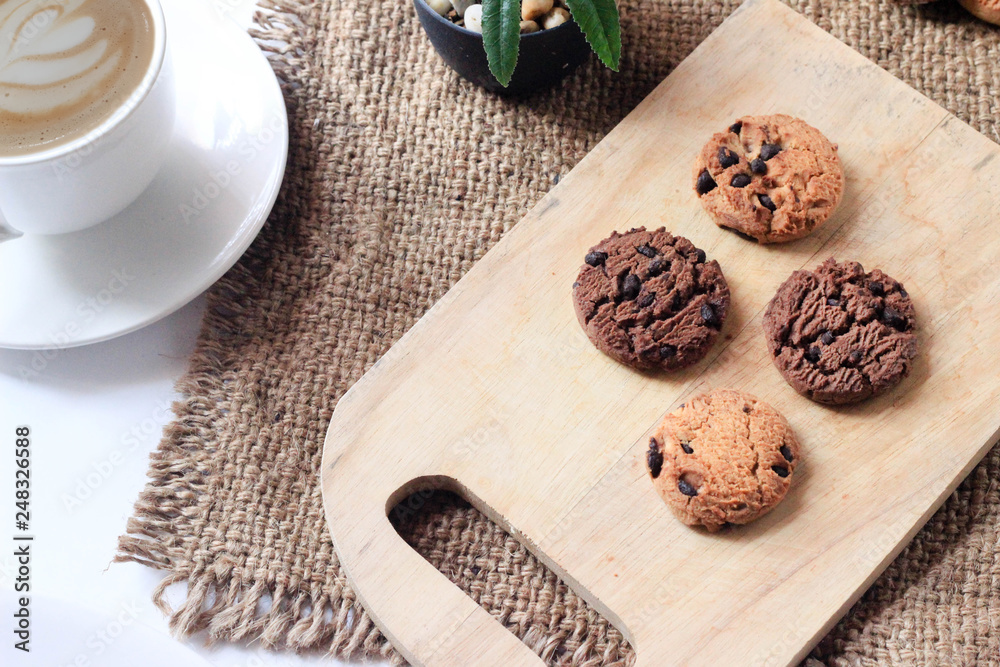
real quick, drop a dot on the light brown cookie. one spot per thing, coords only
(771, 178)
(987, 10)
(723, 457)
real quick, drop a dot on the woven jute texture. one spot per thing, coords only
(400, 176)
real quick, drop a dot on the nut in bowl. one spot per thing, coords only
(529, 45)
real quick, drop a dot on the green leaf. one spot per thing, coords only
(599, 21)
(502, 36)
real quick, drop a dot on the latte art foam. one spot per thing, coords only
(66, 66)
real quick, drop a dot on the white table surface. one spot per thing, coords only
(95, 413)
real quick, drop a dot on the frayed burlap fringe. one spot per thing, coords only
(400, 177)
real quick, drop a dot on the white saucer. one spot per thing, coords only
(205, 207)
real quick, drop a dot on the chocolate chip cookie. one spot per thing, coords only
(650, 299)
(723, 457)
(769, 178)
(840, 335)
(987, 10)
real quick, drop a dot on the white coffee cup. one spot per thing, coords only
(90, 179)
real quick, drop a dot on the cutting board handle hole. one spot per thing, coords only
(429, 511)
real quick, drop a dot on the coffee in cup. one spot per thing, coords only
(66, 66)
(87, 107)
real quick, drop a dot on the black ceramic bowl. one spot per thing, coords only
(544, 57)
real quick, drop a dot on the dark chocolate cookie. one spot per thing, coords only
(650, 300)
(769, 178)
(840, 335)
(723, 457)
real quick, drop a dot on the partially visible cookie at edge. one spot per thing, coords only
(650, 299)
(840, 335)
(987, 10)
(770, 178)
(723, 457)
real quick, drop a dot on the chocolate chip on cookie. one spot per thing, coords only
(723, 457)
(770, 178)
(840, 335)
(652, 301)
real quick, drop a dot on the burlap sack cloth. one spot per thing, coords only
(400, 176)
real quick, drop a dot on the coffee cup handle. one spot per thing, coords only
(7, 232)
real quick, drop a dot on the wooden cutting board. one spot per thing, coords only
(497, 394)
